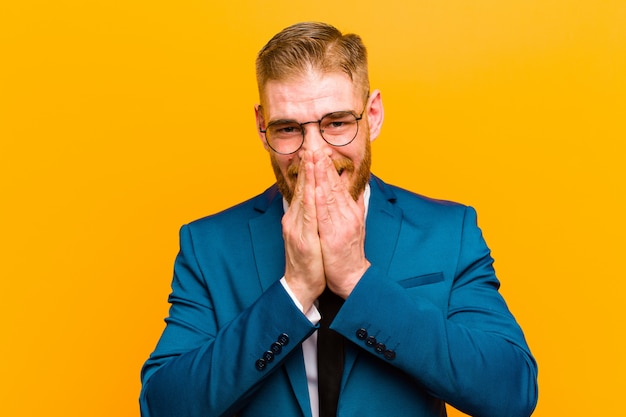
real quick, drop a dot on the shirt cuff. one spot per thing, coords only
(313, 314)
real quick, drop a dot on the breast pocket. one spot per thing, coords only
(431, 287)
(421, 280)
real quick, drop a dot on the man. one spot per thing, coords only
(420, 322)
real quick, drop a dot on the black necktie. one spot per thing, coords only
(329, 354)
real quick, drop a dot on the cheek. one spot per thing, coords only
(354, 154)
(283, 163)
(356, 150)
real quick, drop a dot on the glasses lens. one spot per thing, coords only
(339, 128)
(285, 137)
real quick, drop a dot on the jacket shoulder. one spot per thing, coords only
(410, 201)
(238, 214)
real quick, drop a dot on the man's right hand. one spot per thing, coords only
(304, 268)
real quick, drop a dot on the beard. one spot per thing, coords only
(361, 174)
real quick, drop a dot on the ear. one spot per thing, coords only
(375, 114)
(260, 124)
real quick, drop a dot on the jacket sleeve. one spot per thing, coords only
(472, 354)
(201, 367)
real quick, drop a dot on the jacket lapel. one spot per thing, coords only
(269, 255)
(267, 239)
(382, 228)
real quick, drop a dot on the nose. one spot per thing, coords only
(313, 139)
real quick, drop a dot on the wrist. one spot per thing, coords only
(345, 287)
(304, 294)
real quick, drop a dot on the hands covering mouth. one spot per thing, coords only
(323, 230)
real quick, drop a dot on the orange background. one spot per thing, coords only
(122, 120)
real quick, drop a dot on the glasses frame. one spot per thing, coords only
(319, 127)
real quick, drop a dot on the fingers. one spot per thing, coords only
(302, 190)
(298, 192)
(308, 198)
(333, 200)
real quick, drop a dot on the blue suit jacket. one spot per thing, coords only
(431, 297)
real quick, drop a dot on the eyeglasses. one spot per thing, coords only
(337, 129)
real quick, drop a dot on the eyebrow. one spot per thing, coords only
(278, 121)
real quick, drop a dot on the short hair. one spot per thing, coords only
(316, 46)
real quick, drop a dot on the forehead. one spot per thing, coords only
(311, 95)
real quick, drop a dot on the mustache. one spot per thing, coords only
(341, 165)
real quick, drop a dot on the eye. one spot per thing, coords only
(336, 122)
(285, 130)
(290, 129)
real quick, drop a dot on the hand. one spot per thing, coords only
(341, 227)
(304, 268)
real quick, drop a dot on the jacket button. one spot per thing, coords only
(268, 356)
(370, 341)
(260, 364)
(389, 355)
(283, 339)
(276, 348)
(361, 334)
(380, 348)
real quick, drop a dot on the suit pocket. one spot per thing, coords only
(421, 280)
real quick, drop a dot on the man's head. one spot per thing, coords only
(304, 73)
